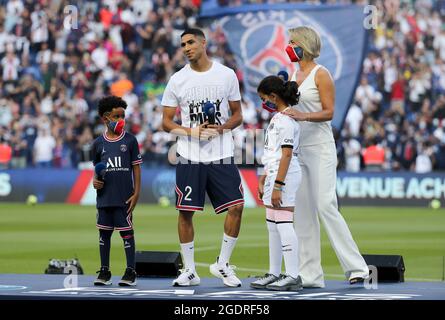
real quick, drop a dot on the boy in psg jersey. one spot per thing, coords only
(117, 187)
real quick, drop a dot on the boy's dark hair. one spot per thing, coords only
(286, 90)
(194, 31)
(107, 104)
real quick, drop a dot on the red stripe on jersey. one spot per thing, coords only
(80, 186)
(113, 140)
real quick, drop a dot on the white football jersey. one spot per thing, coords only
(190, 90)
(282, 131)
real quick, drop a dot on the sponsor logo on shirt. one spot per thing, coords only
(115, 164)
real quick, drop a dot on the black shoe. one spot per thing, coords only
(356, 280)
(104, 277)
(129, 278)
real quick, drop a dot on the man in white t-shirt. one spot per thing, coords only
(205, 150)
(43, 149)
(354, 120)
(352, 154)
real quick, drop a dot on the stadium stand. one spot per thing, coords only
(51, 79)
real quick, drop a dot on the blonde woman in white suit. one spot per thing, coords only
(316, 197)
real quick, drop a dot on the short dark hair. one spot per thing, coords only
(193, 31)
(107, 104)
(286, 90)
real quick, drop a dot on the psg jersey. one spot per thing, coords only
(119, 155)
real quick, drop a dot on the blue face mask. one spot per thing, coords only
(269, 106)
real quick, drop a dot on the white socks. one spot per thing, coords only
(275, 253)
(283, 241)
(188, 254)
(289, 247)
(227, 246)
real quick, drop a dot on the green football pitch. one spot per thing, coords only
(31, 235)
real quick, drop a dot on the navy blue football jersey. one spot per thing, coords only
(119, 156)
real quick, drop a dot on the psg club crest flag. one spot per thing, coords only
(257, 35)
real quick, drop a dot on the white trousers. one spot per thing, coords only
(317, 199)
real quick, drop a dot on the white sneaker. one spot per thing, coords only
(226, 273)
(187, 278)
(263, 281)
(286, 283)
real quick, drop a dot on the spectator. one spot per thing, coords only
(10, 65)
(424, 162)
(43, 149)
(373, 156)
(5, 154)
(354, 119)
(19, 147)
(352, 150)
(131, 46)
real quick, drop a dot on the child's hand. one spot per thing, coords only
(132, 200)
(276, 199)
(260, 191)
(261, 181)
(97, 184)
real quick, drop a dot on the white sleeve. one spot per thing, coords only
(287, 132)
(169, 98)
(234, 93)
(294, 77)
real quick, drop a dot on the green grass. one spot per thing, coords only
(30, 236)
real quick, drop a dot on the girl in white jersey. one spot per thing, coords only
(318, 159)
(277, 187)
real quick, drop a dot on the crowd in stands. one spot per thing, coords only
(397, 120)
(51, 78)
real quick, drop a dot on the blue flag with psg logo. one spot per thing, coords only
(257, 35)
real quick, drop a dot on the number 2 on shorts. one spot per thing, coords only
(188, 189)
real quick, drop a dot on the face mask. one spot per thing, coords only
(295, 53)
(117, 127)
(269, 106)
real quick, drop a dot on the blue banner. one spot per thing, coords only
(257, 34)
(359, 189)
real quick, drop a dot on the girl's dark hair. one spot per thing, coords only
(107, 104)
(286, 90)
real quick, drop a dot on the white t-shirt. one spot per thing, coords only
(282, 131)
(14, 8)
(43, 147)
(352, 155)
(10, 68)
(354, 119)
(100, 57)
(190, 90)
(423, 163)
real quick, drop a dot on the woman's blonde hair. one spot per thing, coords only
(308, 39)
